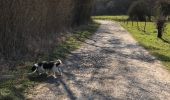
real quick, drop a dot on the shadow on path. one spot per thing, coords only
(110, 67)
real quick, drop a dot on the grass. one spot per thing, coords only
(16, 88)
(114, 18)
(74, 42)
(148, 39)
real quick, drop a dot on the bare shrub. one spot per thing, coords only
(33, 27)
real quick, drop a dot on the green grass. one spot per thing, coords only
(14, 89)
(115, 18)
(148, 39)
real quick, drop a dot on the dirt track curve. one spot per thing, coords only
(109, 66)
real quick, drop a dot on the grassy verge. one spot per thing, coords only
(14, 89)
(113, 18)
(80, 34)
(148, 39)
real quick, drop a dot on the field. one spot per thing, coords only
(148, 38)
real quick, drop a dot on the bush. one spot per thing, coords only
(82, 11)
(31, 27)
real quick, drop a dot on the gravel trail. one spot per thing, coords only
(109, 66)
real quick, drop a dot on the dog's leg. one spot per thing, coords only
(60, 71)
(37, 73)
(54, 75)
(40, 73)
(47, 72)
(40, 70)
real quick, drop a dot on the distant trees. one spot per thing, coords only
(143, 10)
(163, 7)
(82, 11)
(139, 10)
(111, 7)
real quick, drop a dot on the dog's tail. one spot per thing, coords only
(60, 61)
(32, 72)
(34, 69)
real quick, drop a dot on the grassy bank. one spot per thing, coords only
(18, 84)
(148, 39)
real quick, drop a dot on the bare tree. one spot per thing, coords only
(163, 7)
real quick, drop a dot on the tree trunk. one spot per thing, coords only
(159, 33)
(161, 26)
(145, 26)
(137, 24)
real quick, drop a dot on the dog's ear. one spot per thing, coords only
(58, 62)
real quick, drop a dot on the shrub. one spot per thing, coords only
(31, 27)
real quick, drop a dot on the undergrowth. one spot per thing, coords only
(18, 85)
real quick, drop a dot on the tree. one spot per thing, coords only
(82, 11)
(111, 7)
(163, 8)
(139, 11)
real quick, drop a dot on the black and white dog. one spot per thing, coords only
(45, 67)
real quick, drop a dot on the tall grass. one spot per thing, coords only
(29, 28)
(17, 87)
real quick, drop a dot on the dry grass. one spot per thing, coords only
(14, 87)
(32, 28)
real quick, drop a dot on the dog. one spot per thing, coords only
(46, 67)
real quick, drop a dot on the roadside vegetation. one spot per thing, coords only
(19, 82)
(147, 38)
(36, 30)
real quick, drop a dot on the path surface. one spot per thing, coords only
(109, 66)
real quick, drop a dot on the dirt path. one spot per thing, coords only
(109, 66)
